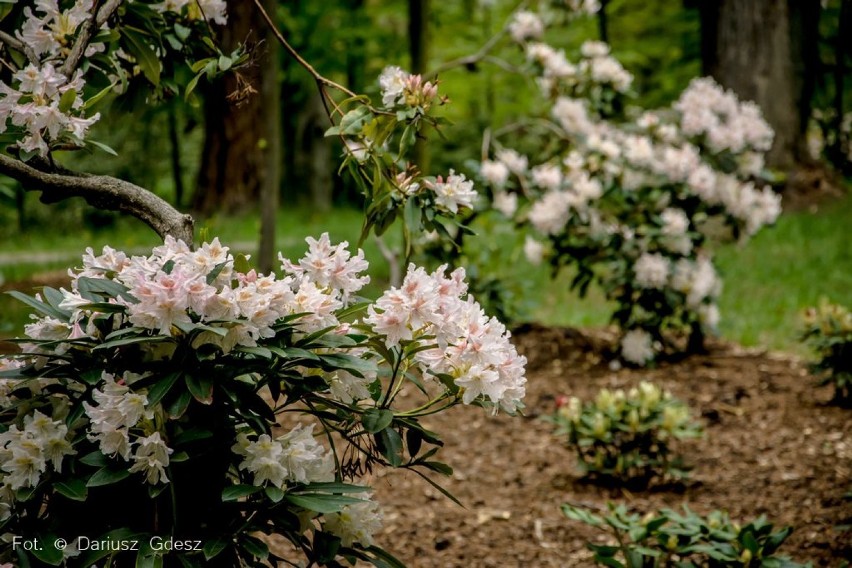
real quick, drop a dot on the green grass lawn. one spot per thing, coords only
(767, 281)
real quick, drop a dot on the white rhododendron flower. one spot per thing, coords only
(294, 457)
(457, 191)
(636, 347)
(652, 270)
(525, 25)
(495, 173)
(355, 523)
(25, 454)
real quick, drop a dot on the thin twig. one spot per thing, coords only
(295, 54)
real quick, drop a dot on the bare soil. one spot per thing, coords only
(773, 446)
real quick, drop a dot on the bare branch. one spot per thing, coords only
(18, 45)
(88, 29)
(104, 192)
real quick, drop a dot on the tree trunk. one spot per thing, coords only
(270, 98)
(418, 49)
(232, 163)
(755, 47)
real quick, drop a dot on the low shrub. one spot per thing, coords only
(670, 539)
(828, 332)
(627, 436)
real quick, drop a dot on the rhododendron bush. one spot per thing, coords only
(629, 198)
(180, 394)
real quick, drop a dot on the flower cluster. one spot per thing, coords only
(295, 457)
(404, 90)
(173, 369)
(45, 106)
(626, 435)
(25, 453)
(473, 349)
(633, 202)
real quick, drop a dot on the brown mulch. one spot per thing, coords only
(773, 446)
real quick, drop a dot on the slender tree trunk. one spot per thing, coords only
(838, 150)
(270, 97)
(603, 24)
(232, 166)
(749, 47)
(418, 48)
(177, 170)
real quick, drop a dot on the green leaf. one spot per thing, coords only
(255, 547)
(225, 62)
(213, 547)
(236, 492)
(375, 420)
(161, 388)
(147, 59)
(179, 405)
(47, 552)
(66, 101)
(107, 476)
(182, 32)
(390, 445)
(217, 270)
(241, 263)
(384, 559)
(193, 83)
(74, 489)
(200, 388)
(274, 493)
(320, 502)
(96, 459)
(101, 146)
(413, 440)
(332, 487)
(42, 307)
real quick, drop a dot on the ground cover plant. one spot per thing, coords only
(671, 538)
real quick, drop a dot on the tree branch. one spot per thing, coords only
(96, 19)
(103, 192)
(17, 44)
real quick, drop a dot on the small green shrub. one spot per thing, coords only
(668, 539)
(627, 436)
(828, 332)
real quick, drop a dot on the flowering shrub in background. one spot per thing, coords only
(182, 394)
(827, 330)
(668, 539)
(626, 436)
(632, 199)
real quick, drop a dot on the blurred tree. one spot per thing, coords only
(418, 50)
(764, 51)
(234, 156)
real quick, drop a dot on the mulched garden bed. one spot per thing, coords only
(773, 446)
